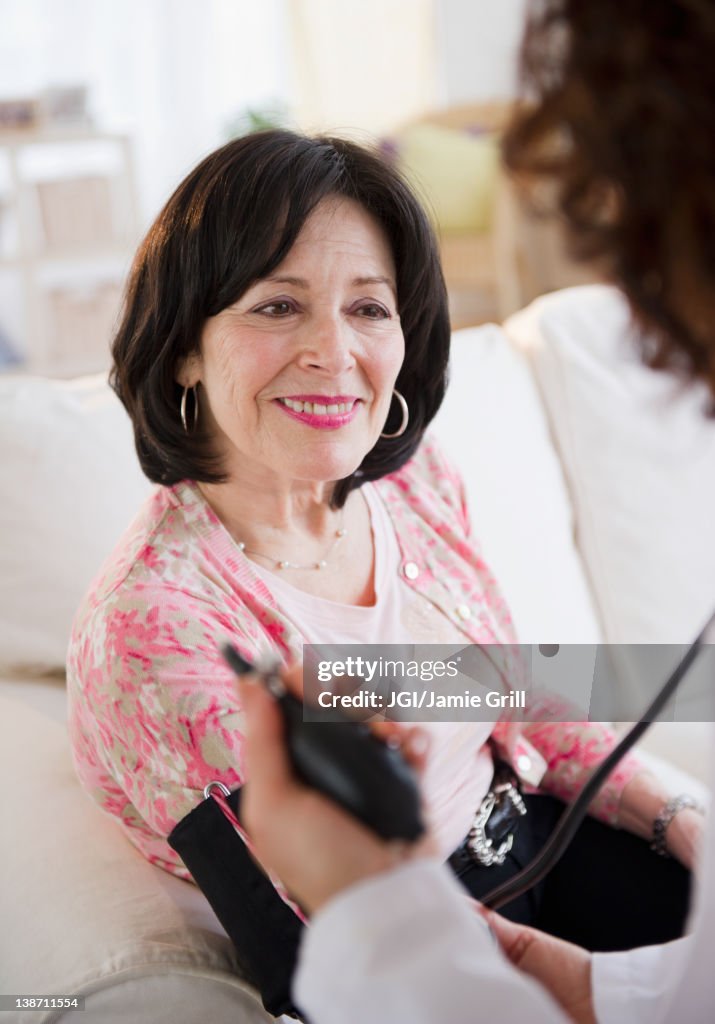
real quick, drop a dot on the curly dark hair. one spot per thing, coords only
(231, 222)
(619, 118)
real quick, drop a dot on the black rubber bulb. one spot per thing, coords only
(346, 762)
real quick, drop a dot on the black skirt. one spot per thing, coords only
(608, 892)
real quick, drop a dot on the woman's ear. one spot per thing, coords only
(188, 370)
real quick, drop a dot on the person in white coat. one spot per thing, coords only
(621, 123)
(393, 937)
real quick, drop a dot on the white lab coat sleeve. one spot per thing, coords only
(407, 947)
(669, 984)
(638, 985)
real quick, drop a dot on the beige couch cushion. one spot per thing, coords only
(83, 913)
(494, 428)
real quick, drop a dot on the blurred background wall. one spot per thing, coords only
(105, 106)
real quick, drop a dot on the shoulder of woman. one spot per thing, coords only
(431, 464)
(167, 548)
(431, 484)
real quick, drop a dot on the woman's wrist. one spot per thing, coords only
(644, 801)
(683, 835)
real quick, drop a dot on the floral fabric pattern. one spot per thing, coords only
(153, 712)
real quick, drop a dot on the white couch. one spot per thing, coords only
(591, 487)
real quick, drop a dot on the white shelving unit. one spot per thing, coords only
(68, 228)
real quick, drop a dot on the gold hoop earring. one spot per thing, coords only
(405, 416)
(182, 409)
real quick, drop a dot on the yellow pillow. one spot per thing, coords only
(454, 172)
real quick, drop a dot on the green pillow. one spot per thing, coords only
(454, 172)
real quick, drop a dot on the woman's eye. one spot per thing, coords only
(373, 311)
(276, 309)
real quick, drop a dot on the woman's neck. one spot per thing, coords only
(274, 517)
(294, 531)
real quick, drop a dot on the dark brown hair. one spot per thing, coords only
(620, 119)
(230, 223)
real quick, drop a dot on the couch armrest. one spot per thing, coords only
(84, 913)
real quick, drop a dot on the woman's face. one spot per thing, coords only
(297, 375)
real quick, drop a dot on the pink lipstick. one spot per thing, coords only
(323, 412)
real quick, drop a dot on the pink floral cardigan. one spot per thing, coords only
(153, 712)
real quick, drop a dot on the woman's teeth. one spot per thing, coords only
(315, 409)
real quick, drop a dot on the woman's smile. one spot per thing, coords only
(322, 412)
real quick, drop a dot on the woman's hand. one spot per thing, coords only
(311, 844)
(641, 802)
(560, 967)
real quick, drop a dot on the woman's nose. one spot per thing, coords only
(327, 345)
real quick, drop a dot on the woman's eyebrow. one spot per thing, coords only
(297, 282)
(377, 280)
(300, 282)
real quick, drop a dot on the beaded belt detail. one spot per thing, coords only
(492, 833)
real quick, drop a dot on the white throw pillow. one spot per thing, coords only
(639, 457)
(494, 428)
(70, 484)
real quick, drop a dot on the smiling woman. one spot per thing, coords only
(297, 375)
(296, 379)
(283, 347)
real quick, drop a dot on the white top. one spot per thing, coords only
(459, 768)
(404, 947)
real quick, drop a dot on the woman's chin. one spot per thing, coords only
(325, 469)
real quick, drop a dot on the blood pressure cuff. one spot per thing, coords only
(264, 930)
